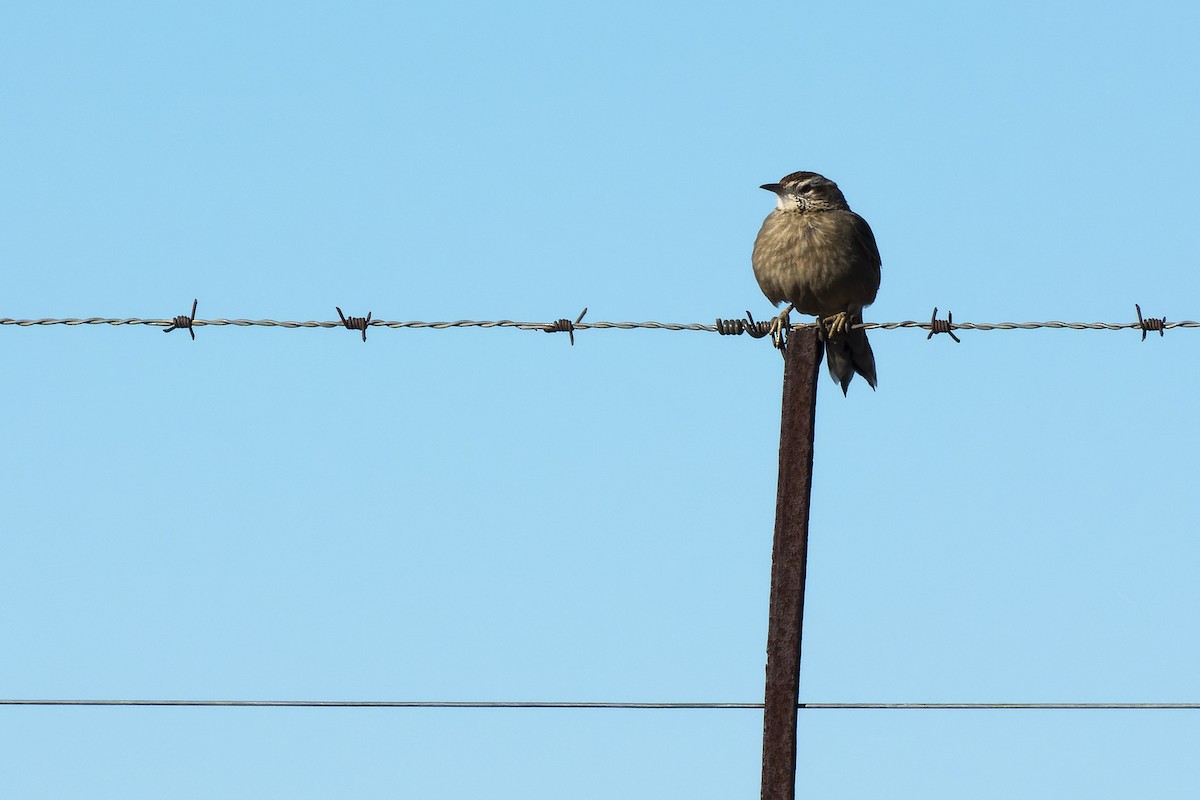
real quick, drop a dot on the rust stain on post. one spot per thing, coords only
(788, 563)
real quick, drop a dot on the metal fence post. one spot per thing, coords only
(788, 562)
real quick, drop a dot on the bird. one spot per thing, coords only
(821, 258)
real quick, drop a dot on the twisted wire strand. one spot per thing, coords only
(598, 705)
(1026, 326)
(579, 326)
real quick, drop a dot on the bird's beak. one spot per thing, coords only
(772, 187)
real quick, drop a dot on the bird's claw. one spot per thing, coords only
(822, 331)
(780, 326)
(839, 323)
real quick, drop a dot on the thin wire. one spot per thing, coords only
(590, 705)
(1001, 706)
(579, 326)
(374, 704)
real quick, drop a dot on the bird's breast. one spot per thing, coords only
(813, 261)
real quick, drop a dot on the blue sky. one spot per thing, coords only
(496, 515)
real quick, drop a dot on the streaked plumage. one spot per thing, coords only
(816, 254)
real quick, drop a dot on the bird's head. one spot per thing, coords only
(807, 191)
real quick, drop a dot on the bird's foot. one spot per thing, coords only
(822, 330)
(839, 323)
(780, 326)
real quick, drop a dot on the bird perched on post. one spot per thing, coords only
(818, 256)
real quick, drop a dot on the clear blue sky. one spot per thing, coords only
(495, 515)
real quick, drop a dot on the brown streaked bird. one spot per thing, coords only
(819, 257)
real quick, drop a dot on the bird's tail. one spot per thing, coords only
(850, 352)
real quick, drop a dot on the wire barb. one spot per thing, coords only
(1150, 323)
(942, 325)
(356, 323)
(565, 325)
(184, 321)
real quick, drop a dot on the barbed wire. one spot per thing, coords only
(725, 327)
(599, 705)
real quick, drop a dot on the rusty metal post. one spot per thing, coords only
(788, 562)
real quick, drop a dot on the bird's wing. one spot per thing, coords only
(864, 238)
